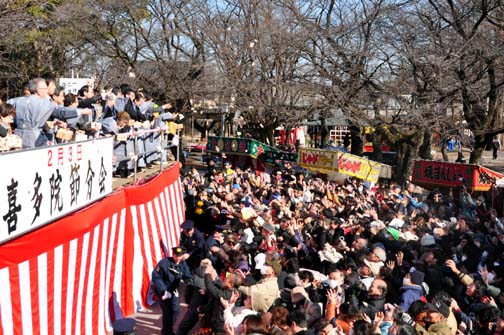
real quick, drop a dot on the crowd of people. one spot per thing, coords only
(44, 115)
(292, 253)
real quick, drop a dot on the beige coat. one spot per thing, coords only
(263, 294)
(440, 328)
(451, 321)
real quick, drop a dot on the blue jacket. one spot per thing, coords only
(410, 294)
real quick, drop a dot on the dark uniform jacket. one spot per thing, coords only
(168, 274)
(195, 245)
(109, 112)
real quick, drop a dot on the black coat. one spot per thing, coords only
(217, 310)
(369, 304)
(134, 111)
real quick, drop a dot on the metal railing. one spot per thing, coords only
(161, 148)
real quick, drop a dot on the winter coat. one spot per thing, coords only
(440, 328)
(410, 294)
(217, 310)
(263, 294)
(370, 306)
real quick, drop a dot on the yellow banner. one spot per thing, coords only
(351, 165)
(319, 160)
(359, 167)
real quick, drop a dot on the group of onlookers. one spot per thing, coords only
(46, 115)
(290, 252)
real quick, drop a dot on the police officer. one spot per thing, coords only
(166, 278)
(194, 243)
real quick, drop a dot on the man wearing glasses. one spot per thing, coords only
(32, 113)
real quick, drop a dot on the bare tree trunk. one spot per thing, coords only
(377, 146)
(443, 149)
(356, 139)
(407, 154)
(425, 151)
(478, 148)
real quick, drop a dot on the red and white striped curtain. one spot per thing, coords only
(79, 274)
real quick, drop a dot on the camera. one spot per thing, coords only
(406, 319)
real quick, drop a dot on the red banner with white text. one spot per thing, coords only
(432, 174)
(84, 271)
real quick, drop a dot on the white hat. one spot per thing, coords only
(396, 223)
(260, 260)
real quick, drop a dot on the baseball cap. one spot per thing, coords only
(124, 326)
(178, 251)
(187, 225)
(439, 307)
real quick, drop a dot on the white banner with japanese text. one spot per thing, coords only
(73, 85)
(82, 272)
(40, 185)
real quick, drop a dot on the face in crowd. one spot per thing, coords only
(188, 232)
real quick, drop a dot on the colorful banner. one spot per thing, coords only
(359, 167)
(40, 185)
(318, 160)
(485, 179)
(445, 174)
(237, 146)
(271, 156)
(314, 159)
(338, 161)
(79, 274)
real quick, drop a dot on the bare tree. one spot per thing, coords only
(343, 49)
(254, 46)
(152, 41)
(453, 51)
(396, 66)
